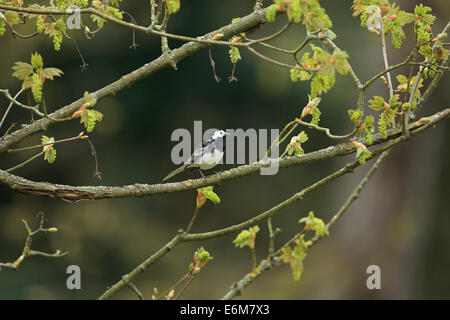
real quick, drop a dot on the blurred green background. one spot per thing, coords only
(400, 222)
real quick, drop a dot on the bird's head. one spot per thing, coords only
(219, 134)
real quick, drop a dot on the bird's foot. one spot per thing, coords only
(203, 176)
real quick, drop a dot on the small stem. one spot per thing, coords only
(194, 217)
(287, 135)
(25, 162)
(354, 195)
(272, 36)
(185, 287)
(135, 290)
(8, 130)
(174, 286)
(278, 138)
(326, 130)
(405, 114)
(385, 58)
(254, 258)
(271, 236)
(80, 136)
(10, 106)
(17, 103)
(153, 12)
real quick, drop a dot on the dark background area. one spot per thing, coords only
(400, 222)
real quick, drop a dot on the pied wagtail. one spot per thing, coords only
(205, 157)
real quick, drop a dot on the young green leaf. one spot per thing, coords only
(295, 256)
(368, 129)
(235, 56)
(246, 238)
(201, 257)
(315, 224)
(362, 152)
(172, 6)
(207, 193)
(271, 13)
(49, 150)
(377, 103)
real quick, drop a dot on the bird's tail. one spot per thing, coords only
(174, 172)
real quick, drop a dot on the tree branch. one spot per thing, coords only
(74, 193)
(266, 265)
(165, 60)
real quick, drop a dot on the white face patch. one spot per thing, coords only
(218, 134)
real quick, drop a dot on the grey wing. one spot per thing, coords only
(198, 154)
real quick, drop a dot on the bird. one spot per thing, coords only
(205, 157)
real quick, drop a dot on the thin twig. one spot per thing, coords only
(385, 58)
(266, 265)
(135, 290)
(80, 136)
(27, 251)
(84, 65)
(8, 130)
(35, 109)
(185, 287)
(194, 217)
(326, 130)
(25, 162)
(213, 65)
(97, 174)
(10, 106)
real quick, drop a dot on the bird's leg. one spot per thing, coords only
(218, 173)
(204, 178)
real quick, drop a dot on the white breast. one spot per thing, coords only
(210, 159)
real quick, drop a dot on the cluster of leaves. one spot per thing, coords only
(10, 18)
(362, 153)
(246, 238)
(201, 258)
(206, 193)
(312, 109)
(393, 21)
(48, 149)
(390, 15)
(355, 116)
(33, 75)
(172, 6)
(64, 4)
(422, 27)
(309, 12)
(362, 7)
(366, 126)
(88, 117)
(54, 29)
(109, 7)
(297, 253)
(315, 224)
(294, 145)
(404, 85)
(324, 67)
(387, 117)
(295, 256)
